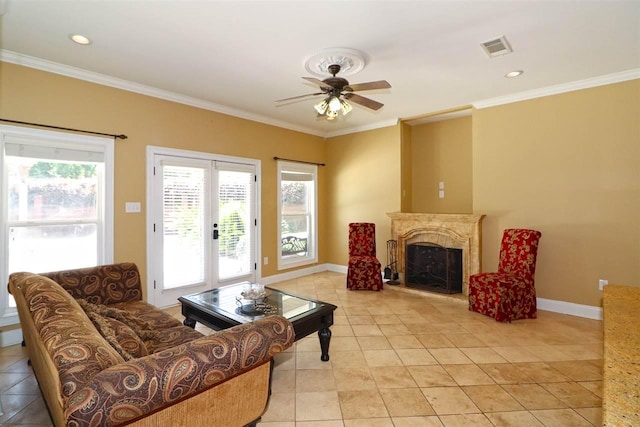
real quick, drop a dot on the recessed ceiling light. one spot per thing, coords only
(80, 39)
(514, 73)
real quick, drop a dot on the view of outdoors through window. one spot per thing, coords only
(184, 234)
(234, 202)
(187, 234)
(297, 191)
(52, 214)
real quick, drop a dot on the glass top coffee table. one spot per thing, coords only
(225, 307)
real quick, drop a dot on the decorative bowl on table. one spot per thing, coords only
(252, 300)
(254, 292)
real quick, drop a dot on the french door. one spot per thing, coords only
(204, 226)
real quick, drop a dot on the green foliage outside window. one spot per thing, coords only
(62, 170)
(59, 185)
(232, 227)
(294, 193)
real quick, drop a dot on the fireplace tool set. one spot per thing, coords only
(391, 270)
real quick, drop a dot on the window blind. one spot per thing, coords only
(22, 147)
(183, 214)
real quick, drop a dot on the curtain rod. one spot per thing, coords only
(299, 161)
(61, 128)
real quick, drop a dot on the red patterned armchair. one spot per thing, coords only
(509, 294)
(364, 268)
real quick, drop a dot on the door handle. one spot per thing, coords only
(215, 234)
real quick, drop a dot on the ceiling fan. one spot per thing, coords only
(337, 91)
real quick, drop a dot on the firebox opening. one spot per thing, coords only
(434, 268)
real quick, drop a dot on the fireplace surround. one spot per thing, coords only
(459, 231)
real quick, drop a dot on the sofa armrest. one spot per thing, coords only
(102, 284)
(130, 390)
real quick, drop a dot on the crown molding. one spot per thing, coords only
(561, 88)
(431, 118)
(372, 126)
(102, 79)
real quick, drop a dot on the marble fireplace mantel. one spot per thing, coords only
(461, 231)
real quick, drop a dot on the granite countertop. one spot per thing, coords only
(621, 386)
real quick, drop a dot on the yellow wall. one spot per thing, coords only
(569, 166)
(31, 95)
(363, 184)
(565, 164)
(441, 152)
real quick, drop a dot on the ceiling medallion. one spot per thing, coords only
(350, 61)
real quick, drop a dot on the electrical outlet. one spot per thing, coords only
(602, 283)
(266, 260)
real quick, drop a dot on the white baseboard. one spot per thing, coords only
(294, 274)
(12, 337)
(580, 310)
(337, 268)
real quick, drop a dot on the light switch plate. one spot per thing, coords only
(132, 207)
(441, 194)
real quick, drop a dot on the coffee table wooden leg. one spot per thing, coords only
(189, 322)
(325, 338)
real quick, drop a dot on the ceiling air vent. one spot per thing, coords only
(497, 47)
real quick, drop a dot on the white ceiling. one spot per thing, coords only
(238, 57)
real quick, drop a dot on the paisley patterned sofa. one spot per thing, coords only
(168, 375)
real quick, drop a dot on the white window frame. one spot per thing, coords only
(8, 315)
(312, 241)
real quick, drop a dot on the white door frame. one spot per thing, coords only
(153, 151)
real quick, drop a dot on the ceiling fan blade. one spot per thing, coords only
(320, 83)
(295, 98)
(365, 102)
(380, 84)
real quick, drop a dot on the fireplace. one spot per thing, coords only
(434, 268)
(455, 231)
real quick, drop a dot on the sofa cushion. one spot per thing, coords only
(142, 328)
(153, 317)
(121, 337)
(102, 284)
(156, 329)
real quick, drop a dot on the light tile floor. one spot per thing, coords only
(400, 358)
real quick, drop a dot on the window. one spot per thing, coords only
(185, 230)
(297, 214)
(56, 212)
(237, 216)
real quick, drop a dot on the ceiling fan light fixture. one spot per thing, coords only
(346, 107)
(335, 105)
(331, 114)
(331, 107)
(321, 106)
